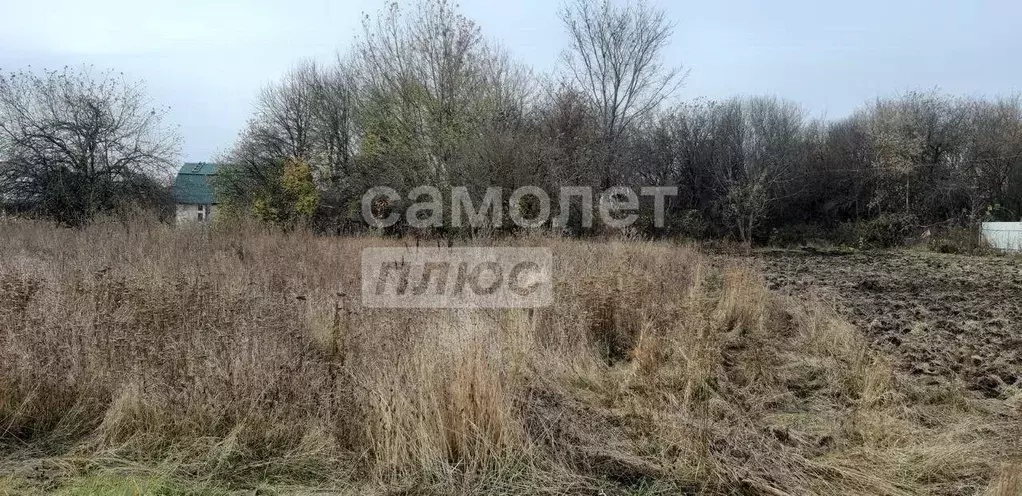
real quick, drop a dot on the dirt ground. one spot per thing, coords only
(939, 316)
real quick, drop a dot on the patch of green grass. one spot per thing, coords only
(120, 485)
(9, 486)
(113, 485)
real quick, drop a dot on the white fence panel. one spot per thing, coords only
(1002, 235)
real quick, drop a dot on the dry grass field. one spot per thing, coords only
(142, 359)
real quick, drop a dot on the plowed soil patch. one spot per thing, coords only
(938, 315)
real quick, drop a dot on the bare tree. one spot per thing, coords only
(994, 153)
(421, 75)
(306, 119)
(73, 144)
(763, 142)
(572, 133)
(501, 147)
(333, 124)
(307, 116)
(616, 59)
(283, 123)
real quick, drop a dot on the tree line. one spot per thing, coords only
(422, 97)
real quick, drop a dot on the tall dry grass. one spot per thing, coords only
(237, 357)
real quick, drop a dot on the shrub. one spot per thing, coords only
(887, 230)
(797, 234)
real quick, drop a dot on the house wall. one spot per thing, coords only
(190, 213)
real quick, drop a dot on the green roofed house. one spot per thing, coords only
(193, 192)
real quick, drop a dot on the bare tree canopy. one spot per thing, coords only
(615, 57)
(284, 113)
(421, 74)
(307, 116)
(74, 144)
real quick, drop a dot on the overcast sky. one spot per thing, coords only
(208, 59)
